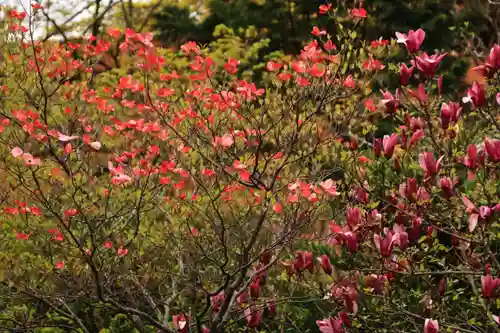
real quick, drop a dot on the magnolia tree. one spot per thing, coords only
(179, 197)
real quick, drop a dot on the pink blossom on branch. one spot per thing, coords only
(431, 326)
(492, 149)
(390, 102)
(476, 95)
(389, 144)
(488, 285)
(426, 64)
(385, 242)
(413, 40)
(491, 64)
(405, 74)
(450, 114)
(429, 164)
(330, 325)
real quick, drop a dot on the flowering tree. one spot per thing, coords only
(178, 197)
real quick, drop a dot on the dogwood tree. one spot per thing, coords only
(180, 197)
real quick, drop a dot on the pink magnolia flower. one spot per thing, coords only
(377, 147)
(353, 217)
(446, 185)
(488, 285)
(255, 288)
(415, 123)
(492, 63)
(450, 114)
(415, 230)
(326, 264)
(343, 235)
(330, 325)
(216, 301)
(303, 260)
(253, 316)
(400, 236)
(426, 64)
(492, 149)
(431, 326)
(416, 137)
(180, 323)
(423, 195)
(429, 164)
(347, 291)
(440, 84)
(405, 74)
(420, 94)
(475, 95)
(413, 40)
(389, 143)
(473, 211)
(493, 59)
(385, 243)
(496, 319)
(471, 161)
(409, 189)
(390, 102)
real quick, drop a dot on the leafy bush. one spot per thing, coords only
(179, 197)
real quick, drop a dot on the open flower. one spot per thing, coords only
(405, 74)
(389, 143)
(488, 285)
(330, 325)
(426, 64)
(429, 164)
(413, 40)
(384, 243)
(492, 63)
(449, 114)
(253, 316)
(475, 95)
(492, 149)
(326, 264)
(390, 102)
